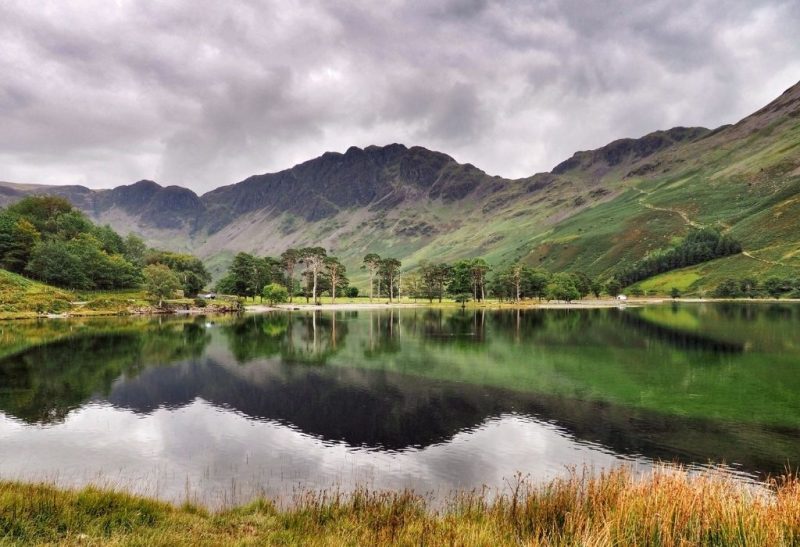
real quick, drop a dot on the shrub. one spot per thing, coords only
(275, 294)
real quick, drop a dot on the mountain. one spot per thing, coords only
(592, 212)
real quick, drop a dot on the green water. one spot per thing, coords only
(406, 397)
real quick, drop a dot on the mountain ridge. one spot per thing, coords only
(419, 204)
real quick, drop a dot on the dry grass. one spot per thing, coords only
(670, 507)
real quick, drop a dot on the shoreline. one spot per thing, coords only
(525, 305)
(613, 507)
(353, 306)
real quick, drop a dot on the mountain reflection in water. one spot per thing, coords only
(421, 398)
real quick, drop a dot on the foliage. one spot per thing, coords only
(289, 260)
(314, 259)
(248, 274)
(774, 287)
(613, 288)
(698, 246)
(275, 293)
(189, 269)
(372, 263)
(335, 273)
(562, 287)
(434, 278)
(160, 282)
(45, 238)
(519, 281)
(388, 270)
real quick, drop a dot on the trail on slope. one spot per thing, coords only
(697, 225)
(678, 212)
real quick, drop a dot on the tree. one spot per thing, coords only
(582, 283)
(389, 270)
(728, 288)
(53, 263)
(562, 287)
(776, 286)
(243, 275)
(515, 276)
(352, 292)
(748, 287)
(597, 288)
(613, 287)
(110, 241)
(160, 282)
(462, 299)
(275, 293)
(460, 279)
(289, 259)
(536, 282)
(675, 292)
(24, 236)
(427, 280)
(189, 269)
(335, 271)
(372, 263)
(478, 269)
(135, 250)
(412, 281)
(314, 259)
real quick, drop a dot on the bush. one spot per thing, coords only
(275, 294)
(729, 288)
(200, 302)
(351, 292)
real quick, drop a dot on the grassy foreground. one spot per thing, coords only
(668, 508)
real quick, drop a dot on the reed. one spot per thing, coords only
(668, 507)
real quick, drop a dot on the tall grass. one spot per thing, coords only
(669, 507)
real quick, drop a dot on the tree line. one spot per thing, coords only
(749, 287)
(474, 279)
(310, 272)
(304, 272)
(47, 239)
(700, 245)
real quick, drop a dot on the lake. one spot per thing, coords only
(221, 409)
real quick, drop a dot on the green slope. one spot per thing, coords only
(20, 295)
(743, 180)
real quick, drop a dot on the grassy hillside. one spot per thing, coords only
(743, 180)
(22, 296)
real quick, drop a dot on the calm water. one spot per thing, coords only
(219, 410)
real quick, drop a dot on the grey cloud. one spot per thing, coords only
(203, 93)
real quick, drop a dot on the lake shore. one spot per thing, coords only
(612, 508)
(495, 305)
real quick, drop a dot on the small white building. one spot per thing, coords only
(621, 297)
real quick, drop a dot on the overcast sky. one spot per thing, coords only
(200, 93)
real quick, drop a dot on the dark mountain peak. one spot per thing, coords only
(629, 149)
(144, 183)
(375, 176)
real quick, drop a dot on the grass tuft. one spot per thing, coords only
(668, 507)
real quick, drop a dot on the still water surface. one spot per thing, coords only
(222, 409)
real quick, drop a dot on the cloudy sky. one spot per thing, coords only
(199, 93)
